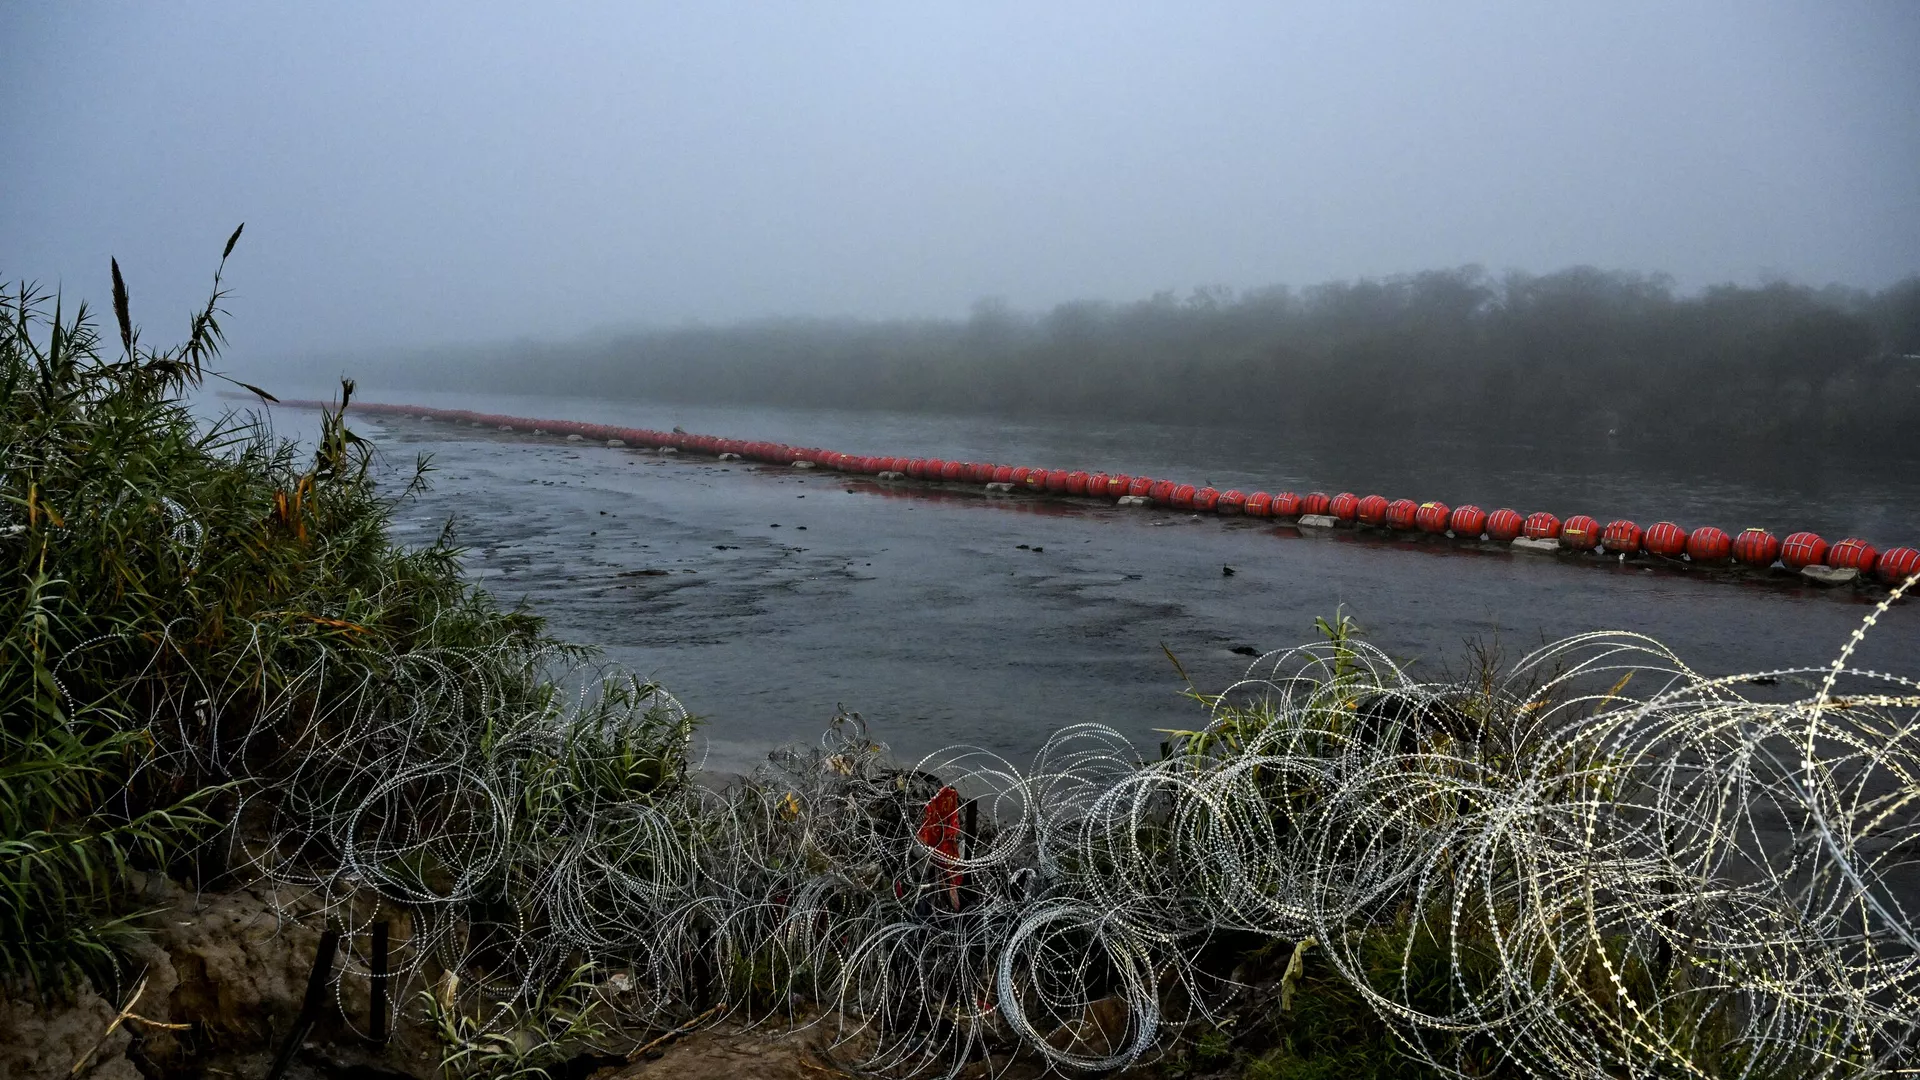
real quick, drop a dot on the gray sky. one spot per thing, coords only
(413, 174)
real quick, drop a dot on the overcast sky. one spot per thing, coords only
(413, 174)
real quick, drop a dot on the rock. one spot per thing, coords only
(729, 457)
(538, 431)
(1827, 575)
(1527, 543)
(891, 477)
(42, 1043)
(999, 489)
(1316, 521)
(616, 443)
(1138, 502)
(506, 427)
(803, 465)
(575, 438)
(669, 449)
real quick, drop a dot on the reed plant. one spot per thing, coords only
(204, 622)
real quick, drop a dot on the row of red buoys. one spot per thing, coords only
(1705, 545)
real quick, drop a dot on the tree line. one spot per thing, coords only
(1581, 353)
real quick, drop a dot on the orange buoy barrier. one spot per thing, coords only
(1803, 549)
(1665, 539)
(1504, 525)
(1467, 522)
(1852, 553)
(1622, 537)
(1897, 565)
(1756, 547)
(1371, 510)
(1580, 533)
(1753, 548)
(1707, 544)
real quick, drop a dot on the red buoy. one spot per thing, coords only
(1541, 525)
(1666, 539)
(1258, 504)
(1897, 565)
(1803, 549)
(1140, 485)
(953, 470)
(1709, 545)
(1852, 553)
(982, 472)
(1057, 481)
(1401, 514)
(1183, 497)
(1037, 479)
(1622, 537)
(1206, 499)
(1431, 517)
(1580, 533)
(1504, 524)
(1313, 502)
(1003, 474)
(1117, 485)
(1162, 492)
(1097, 484)
(1287, 504)
(1467, 522)
(1231, 502)
(1076, 483)
(1344, 506)
(1756, 547)
(1371, 510)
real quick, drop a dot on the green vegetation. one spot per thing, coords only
(200, 619)
(1568, 356)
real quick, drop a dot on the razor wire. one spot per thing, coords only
(1628, 868)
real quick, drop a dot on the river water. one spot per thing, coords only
(960, 619)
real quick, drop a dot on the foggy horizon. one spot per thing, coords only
(446, 176)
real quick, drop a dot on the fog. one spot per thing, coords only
(414, 175)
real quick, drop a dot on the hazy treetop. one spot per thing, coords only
(412, 174)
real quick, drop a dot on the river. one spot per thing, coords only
(765, 598)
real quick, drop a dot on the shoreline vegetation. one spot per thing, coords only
(1571, 357)
(226, 686)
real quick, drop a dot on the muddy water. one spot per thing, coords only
(765, 598)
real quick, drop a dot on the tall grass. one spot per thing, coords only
(191, 609)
